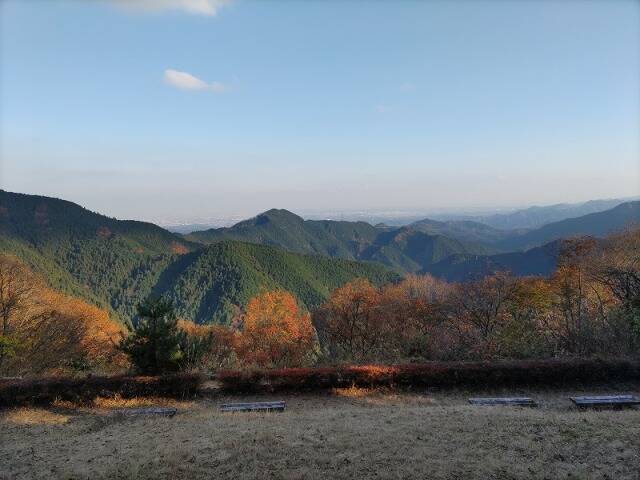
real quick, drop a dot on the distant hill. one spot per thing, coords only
(595, 224)
(535, 217)
(115, 263)
(405, 248)
(465, 230)
(535, 252)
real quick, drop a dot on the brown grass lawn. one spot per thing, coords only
(348, 434)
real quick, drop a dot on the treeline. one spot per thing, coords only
(589, 307)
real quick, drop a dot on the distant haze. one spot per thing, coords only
(213, 111)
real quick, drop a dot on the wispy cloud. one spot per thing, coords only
(197, 7)
(186, 81)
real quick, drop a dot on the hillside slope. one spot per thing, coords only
(103, 260)
(208, 285)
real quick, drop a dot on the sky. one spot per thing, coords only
(182, 110)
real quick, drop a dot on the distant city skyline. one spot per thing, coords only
(195, 109)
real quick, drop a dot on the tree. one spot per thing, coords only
(154, 345)
(17, 287)
(416, 313)
(195, 342)
(351, 325)
(479, 309)
(615, 264)
(275, 332)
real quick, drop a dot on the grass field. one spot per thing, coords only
(349, 434)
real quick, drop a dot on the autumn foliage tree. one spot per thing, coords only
(275, 332)
(363, 323)
(350, 325)
(44, 331)
(207, 347)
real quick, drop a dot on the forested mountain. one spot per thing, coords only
(101, 259)
(115, 263)
(289, 231)
(210, 284)
(405, 248)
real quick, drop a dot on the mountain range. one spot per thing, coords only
(406, 248)
(115, 263)
(452, 249)
(212, 273)
(537, 216)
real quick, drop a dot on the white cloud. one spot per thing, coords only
(198, 7)
(186, 81)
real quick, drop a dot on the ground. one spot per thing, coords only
(347, 434)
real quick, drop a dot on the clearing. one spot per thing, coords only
(350, 433)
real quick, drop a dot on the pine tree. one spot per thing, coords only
(154, 345)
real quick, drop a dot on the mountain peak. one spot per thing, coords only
(277, 214)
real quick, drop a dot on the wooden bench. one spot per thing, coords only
(606, 401)
(162, 411)
(512, 401)
(254, 407)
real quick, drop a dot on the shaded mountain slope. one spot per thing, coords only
(539, 261)
(595, 224)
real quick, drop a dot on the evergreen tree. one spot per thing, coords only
(154, 345)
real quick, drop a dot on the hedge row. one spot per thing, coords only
(436, 374)
(84, 390)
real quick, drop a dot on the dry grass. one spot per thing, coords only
(349, 434)
(116, 402)
(356, 392)
(34, 416)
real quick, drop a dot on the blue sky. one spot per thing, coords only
(184, 109)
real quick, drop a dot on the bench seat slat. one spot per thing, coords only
(255, 406)
(606, 400)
